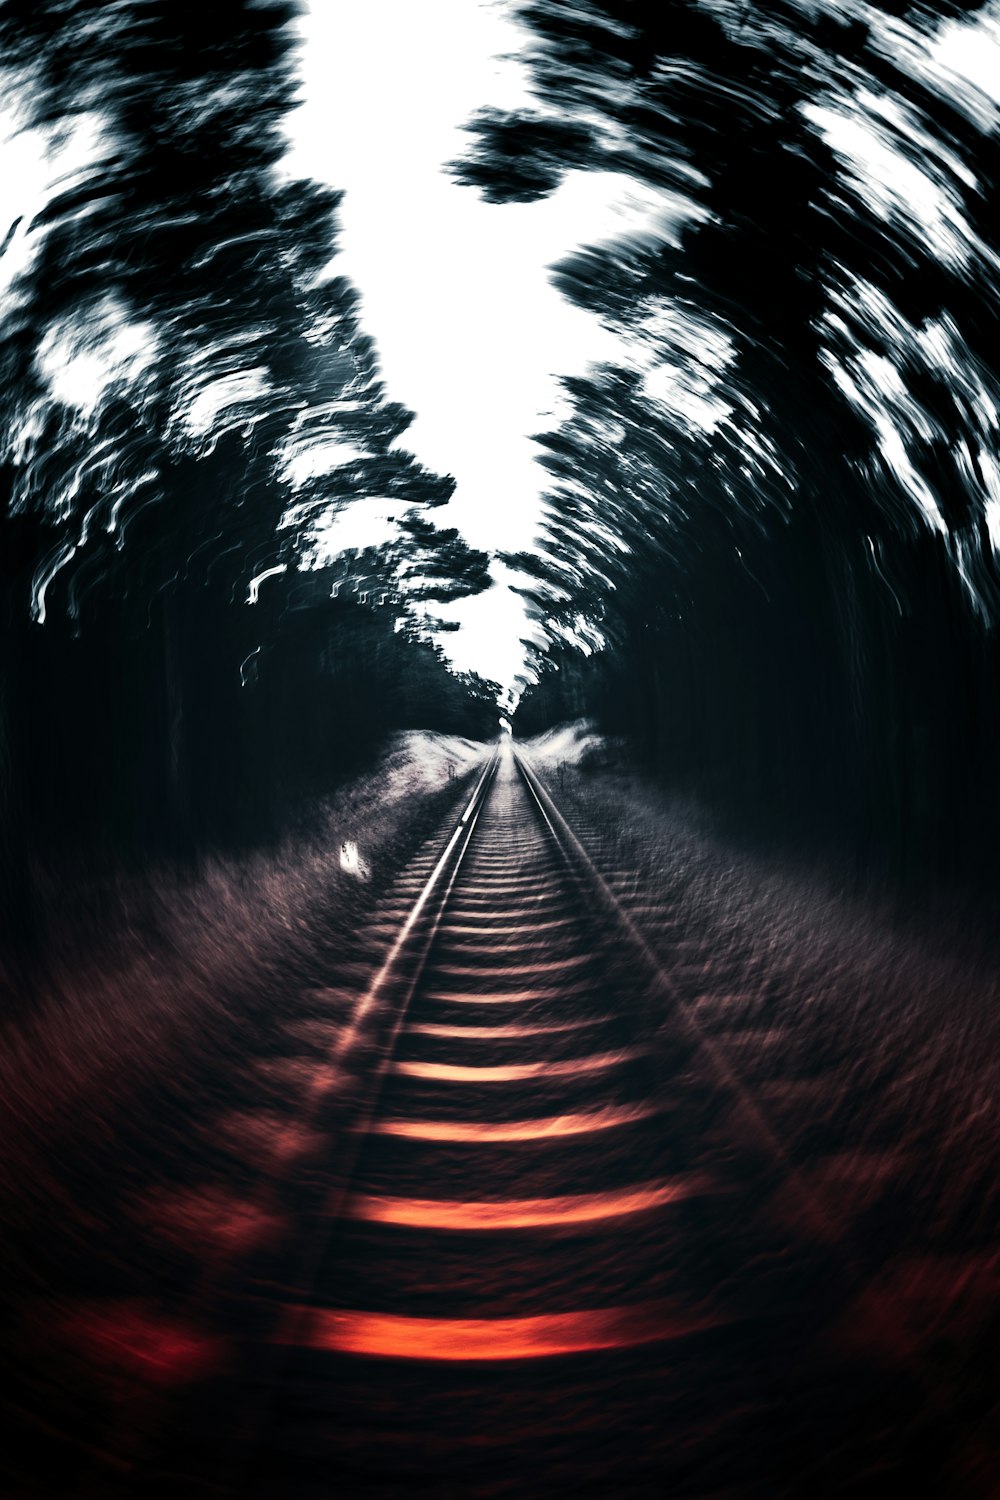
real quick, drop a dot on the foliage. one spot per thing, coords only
(775, 507)
(187, 402)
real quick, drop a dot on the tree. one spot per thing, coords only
(782, 491)
(188, 399)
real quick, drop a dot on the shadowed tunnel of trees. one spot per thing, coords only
(776, 517)
(771, 524)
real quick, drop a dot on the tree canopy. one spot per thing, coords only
(779, 506)
(188, 403)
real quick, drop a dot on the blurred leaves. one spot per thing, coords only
(777, 505)
(438, 564)
(222, 448)
(518, 158)
(776, 347)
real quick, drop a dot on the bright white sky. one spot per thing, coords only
(455, 291)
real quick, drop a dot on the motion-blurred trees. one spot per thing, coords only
(187, 401)
(775, 507)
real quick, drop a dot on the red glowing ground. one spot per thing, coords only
(581, 1123)
(526, 1213)
(387, 1336)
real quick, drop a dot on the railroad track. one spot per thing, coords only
(558, 1249)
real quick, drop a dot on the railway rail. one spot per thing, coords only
(554, 1246)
